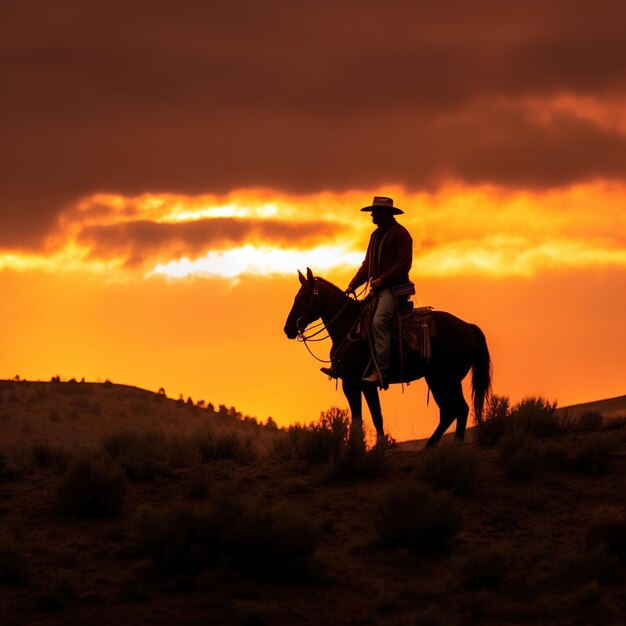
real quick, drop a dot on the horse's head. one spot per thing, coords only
(305, 307)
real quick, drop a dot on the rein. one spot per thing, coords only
(321, 326)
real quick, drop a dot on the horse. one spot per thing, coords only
(457, 347)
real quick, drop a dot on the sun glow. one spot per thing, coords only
(252, 261)
(457, 230)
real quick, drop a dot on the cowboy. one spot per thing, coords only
(386, 267)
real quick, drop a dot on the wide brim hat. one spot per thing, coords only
(381, 202)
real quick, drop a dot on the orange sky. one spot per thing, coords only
(165, 175)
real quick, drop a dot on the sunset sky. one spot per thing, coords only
(166, 168)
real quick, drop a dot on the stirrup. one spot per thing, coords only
(375, 379)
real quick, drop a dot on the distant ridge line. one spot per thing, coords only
(607, 406)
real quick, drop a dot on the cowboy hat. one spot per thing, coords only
(380, 202)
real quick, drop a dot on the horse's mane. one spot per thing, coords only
(331, 285)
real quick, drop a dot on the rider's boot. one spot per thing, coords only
(376, 379)
(329, 371)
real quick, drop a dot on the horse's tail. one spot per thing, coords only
(481, 374)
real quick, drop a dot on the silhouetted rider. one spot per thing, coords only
(386, 265)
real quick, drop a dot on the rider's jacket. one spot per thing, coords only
(389, 257)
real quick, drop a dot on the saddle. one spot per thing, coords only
(411, 329)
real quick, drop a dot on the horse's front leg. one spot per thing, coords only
(352, 390)
(373, 403)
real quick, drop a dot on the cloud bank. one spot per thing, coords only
(142, 97)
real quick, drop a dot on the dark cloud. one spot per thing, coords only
(139, 241)
(206, 97)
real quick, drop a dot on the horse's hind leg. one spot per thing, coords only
(373, 403)
(449, 397)
(462, 411)
(352, 391)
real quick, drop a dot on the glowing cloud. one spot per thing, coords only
(258, 262)
(458, 230)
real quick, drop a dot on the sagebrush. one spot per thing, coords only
(415, 516)
(234, 529)
(452, 467)
(90, 488)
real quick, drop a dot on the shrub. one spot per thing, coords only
(450, 467)
(597, 563)
(142, 456)
(12, 560)
(520, 454)
(536, 416)
(616, 423)
(590, 454)
(590, 421)
(150, 455)
(318, 442)
(417, 517)
(492, 424)
(16, 462)
(607, 529)
(119, 444)
(199, 483)
(354, 459)
(234, 529)
(282, 448)
(333, 441)
(145, 457)
(181, 452)
(226, 446)
(90, 489)
(46, 456)
(484, 567)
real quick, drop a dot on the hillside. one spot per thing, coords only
(220, 520)
(318, 530)
(81, 414)
(611, 407)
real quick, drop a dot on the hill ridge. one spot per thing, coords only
(82, 413)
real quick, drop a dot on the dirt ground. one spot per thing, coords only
(80, 571)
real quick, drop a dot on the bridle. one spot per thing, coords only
(320, 327)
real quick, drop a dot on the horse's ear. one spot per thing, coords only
(309, 275)
(301, 278)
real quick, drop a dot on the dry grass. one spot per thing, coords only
(90, 489)
(13, 566)
(335, 443)
(232, 529)
(416, 517)
(484, 567)
(275, 541)
(453, 467)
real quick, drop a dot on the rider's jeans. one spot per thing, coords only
(381, 328)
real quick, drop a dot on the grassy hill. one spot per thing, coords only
(82, 414)
(178, 526)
